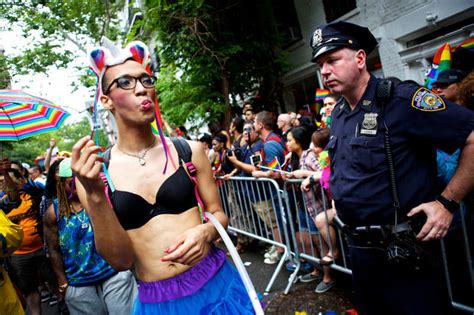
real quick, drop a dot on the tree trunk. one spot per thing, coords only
(225, 93)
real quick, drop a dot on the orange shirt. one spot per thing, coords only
(28, 220)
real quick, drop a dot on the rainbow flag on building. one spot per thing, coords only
(321, 94)
(274, 164)
(467, 44)
(441, 61)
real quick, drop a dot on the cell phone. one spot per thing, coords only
(255, 159)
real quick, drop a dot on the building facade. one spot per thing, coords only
(408, 31)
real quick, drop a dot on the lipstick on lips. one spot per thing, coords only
(146, 105)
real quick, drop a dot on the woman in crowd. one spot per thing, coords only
(302, 163)
(324, 220)
(85, 280)
(151, 220)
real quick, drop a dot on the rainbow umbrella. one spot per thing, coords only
(23, 115)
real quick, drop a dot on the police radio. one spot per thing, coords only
(384, 90)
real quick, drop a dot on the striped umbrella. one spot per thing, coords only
(23, 115)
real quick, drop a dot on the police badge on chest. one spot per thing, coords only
(369, 124)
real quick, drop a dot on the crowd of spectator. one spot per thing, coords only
(44, 268)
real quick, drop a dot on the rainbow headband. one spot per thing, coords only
(110, 55)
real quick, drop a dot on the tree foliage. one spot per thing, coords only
(214, 52)
(48, 24)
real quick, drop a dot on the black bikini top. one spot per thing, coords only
(175, 195)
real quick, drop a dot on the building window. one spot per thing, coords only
(287, 22)
(337, 8)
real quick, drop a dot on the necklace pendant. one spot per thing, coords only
(142, 161)
(84, 226)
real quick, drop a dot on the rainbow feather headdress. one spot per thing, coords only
(108, 55)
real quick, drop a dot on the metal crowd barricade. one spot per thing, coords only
(238, 197)
(310, 244)
(256, 209)
(457, 260)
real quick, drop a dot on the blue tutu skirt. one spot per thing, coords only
(221, 293)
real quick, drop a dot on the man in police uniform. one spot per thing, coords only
(418, 121)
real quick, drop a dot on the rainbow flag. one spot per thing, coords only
(467, 44)
(441, 61)
(321, 94)
(274, 164)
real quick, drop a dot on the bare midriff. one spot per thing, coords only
(150, 241)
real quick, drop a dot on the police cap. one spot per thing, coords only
(341, 34)
(450, 76)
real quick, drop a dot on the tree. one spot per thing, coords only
(214, 51)
(49, 24)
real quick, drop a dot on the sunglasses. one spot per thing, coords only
(248, 129)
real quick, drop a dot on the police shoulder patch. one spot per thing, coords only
(427, 101)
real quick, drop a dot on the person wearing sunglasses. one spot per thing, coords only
(447, 83)
(146, 215)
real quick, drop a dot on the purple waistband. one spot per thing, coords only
(183, 284)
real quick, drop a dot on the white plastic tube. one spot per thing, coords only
(238, 264)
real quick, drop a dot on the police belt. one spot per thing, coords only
(371, 235)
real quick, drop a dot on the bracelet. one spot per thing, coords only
(311, 180)
(63, 287)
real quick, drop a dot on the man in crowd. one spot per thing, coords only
(272, 149)
(364, 178)
(284, 124)
(37, 176)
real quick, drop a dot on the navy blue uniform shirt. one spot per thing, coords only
(418, 122)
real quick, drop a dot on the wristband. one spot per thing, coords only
(311, 180)
(450, 205)
(63, 287)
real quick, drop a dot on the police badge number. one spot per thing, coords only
(427, 101)
(369, 124)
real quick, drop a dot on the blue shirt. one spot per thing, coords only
(359, 172)
(272, 149)
(82, 264)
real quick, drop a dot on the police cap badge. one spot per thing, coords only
(341, 34)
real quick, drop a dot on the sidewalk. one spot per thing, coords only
(301, 300)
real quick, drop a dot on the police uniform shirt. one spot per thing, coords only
(419, 122)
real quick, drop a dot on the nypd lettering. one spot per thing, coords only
(369, 124)
(427, 101)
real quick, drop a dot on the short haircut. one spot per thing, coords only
(238, 124)
(36, 168)
(320, 138)
(266, 119)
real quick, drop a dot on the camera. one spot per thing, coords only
(255, 159)
(228, 152)
(404, 250)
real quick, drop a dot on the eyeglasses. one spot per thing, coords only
(128, 82)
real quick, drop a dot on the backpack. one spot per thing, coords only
(274, 138)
